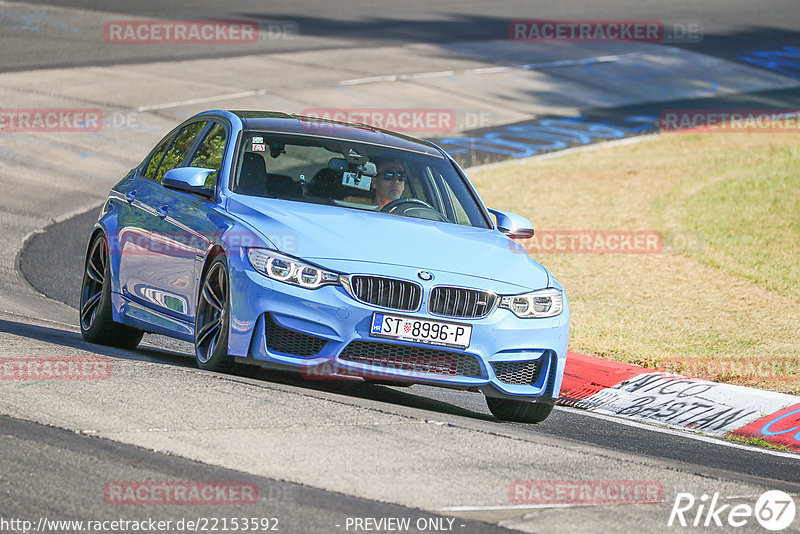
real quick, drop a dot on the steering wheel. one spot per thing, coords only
(393, 207)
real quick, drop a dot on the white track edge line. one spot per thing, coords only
(686, 433)
(567, 151)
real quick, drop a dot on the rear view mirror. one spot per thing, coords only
(189, 179)
(340, 164)
(513, 225)
(369, 169)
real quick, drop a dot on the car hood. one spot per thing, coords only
(318, 233)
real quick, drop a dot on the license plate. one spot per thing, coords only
(421, 330)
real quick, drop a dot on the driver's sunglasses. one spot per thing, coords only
(390, 175)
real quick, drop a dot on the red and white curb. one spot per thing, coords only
(680, 402)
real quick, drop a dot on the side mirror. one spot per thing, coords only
(189, 179)
(513, 225)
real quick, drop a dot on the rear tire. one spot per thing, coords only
(519, 411)
(212, 319)
(96, 317)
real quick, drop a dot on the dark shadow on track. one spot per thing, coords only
(354, 387)
(65, 242)
(351, 387)
(73, 340)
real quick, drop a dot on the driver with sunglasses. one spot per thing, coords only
(388, 184)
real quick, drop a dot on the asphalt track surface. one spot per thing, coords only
(77, 459)
(730, 27)
(60, 468)
(63, 283)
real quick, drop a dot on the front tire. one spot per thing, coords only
(96, 318)
(213, 318)
(519, 411)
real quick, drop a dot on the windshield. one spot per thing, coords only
(354, 175)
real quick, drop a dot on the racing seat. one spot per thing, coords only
(255, 181)
(282, 186)
(327, 183)
(253, 178)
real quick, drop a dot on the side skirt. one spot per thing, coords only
(134, 314)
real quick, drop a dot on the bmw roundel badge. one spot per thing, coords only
(425, 275)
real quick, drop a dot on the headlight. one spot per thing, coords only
(536, 304)
(290, 270)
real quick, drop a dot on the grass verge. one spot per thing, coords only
(721, 299)
(758, 442)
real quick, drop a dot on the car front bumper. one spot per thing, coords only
(325, 333)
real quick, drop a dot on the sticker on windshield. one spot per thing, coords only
(258, 140)
(359, 181)
(258, 147)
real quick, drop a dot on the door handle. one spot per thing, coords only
(130, 196)
(162, 211)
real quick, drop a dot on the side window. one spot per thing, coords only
(152, 165)
(209, 153)
(461, 215)
(177, 152)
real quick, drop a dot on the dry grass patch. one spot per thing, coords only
(726, 308)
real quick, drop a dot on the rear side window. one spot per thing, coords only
(177, 152)
(158, 155)
(209, 153)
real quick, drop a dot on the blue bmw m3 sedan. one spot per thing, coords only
(325, 248)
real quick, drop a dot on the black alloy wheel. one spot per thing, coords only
(96, 318)
(212, 319)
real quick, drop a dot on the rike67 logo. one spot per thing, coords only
(774, 510)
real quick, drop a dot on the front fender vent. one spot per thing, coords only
(292, 342)
(521, 373)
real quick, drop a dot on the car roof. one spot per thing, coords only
(271, 121)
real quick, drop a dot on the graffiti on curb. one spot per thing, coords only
(678, 401)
